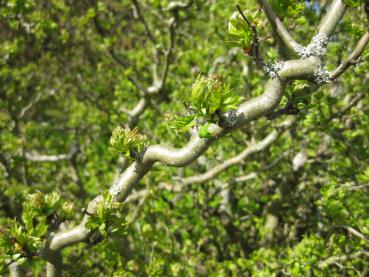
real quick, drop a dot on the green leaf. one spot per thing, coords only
(27, 218)
(210, 96)
(198, 92)
(229, 101)
(353, 3)
(93, 223)
(40, 229)
(214, 99)
(183, 124)
(231, 43)
(52, 199)
(204, 131)
(100, 211)
(239, 32)
(107, 196)
(16, 256)
(102, 229)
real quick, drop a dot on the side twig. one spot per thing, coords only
(352, 59)
(279, 27)
(255, 43)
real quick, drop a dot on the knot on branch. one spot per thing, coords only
(317, 47)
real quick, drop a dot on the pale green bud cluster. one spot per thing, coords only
(128, 142)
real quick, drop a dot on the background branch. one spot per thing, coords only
(352, 59)
(278, 26)
(251, 149)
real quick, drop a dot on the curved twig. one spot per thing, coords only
(352, 58)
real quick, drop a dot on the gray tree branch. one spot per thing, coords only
(15, 270)
(332, 18)
(352, 58)
(247, 112)
(278, 26)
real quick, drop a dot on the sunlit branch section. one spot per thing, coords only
(46, 158)
(332, 18)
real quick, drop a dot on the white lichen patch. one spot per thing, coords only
(321, 75)
(272, 69)
(230, 118)
(317, 47)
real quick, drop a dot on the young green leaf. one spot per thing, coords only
(127, 141)
(204, 131)
(239, 32)
(183, 124)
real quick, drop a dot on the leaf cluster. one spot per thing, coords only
(353, 3)
(210, 97)
(108, 220)
(23, 239)
(239, 32)
(128, 142)
(288, 8)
